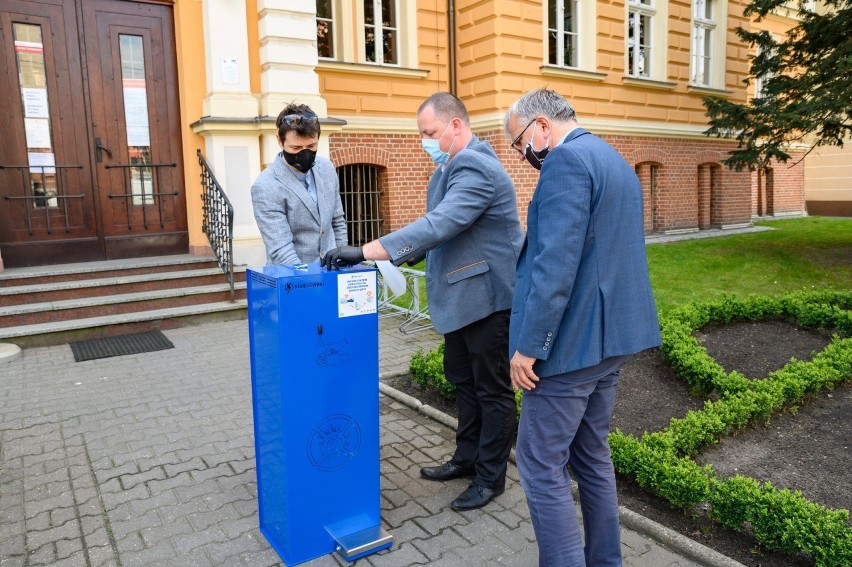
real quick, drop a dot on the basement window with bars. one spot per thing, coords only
(361, 196)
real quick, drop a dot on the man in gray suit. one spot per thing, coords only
(471, 236)
(296, 199)
(582, 306)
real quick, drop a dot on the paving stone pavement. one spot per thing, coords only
(148, 459)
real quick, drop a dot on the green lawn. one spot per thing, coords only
(797, 254)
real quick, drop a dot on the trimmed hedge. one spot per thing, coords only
(662, 461)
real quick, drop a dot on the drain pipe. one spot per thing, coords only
(451, 38)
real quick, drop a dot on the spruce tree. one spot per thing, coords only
(806, 94)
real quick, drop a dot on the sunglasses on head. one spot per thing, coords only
(293, 119)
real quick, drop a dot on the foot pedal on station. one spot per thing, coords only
(358, 544)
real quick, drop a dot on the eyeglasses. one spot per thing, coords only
(293, 119)
(517, 140)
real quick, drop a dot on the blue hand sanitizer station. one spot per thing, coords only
(313, 337)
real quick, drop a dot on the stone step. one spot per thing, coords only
(86, 270)
(52, 291)
(49, 305)
(60, 332)
(87, 307)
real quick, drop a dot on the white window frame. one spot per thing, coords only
(379, 33)
(713, 51)
(350, 36)
(585, 34)
(761, 79)
(703, 34)
(561, 33)
(657, 62)
(333, 30)
(793, 5)
(637, 10)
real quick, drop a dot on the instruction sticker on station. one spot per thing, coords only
(356, 294)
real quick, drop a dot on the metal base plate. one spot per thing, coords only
(358, 544)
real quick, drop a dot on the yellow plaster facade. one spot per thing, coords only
(499, 49)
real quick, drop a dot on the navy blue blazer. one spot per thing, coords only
(473, 237)
(582, 292)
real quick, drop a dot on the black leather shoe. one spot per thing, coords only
(476, 496)
(447, 471)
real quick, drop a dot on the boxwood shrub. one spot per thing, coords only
(662, 461)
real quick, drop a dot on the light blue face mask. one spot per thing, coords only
(433, 148)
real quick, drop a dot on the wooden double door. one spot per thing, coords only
(90, 147)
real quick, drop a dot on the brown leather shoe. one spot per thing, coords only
(475, 496)
(447, 471)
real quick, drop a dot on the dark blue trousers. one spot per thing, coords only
(565, 423)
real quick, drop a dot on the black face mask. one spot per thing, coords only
(535, 157)
(303, 161)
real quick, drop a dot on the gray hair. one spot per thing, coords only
(540, 102)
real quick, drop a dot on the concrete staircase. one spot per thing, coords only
(52, 305)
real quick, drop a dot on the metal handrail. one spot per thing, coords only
(218, 220)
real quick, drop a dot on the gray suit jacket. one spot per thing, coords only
(473, 237)
(295, 229)
(582, 292)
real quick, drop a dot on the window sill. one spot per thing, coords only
(648, 83)
(370, 69)
(555, 71)
(220, 124)
(710, 91)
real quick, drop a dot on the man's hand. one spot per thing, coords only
(521, 372)
(342, 256)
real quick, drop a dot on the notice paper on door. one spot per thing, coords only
(35, 102)
(41, 162)
(38, 132)
(136, 113)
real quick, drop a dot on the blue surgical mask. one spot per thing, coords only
(433, 148)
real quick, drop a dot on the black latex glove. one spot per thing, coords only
(342, 256)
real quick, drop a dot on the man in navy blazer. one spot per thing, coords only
(471, 236)
(296, 199)
(582, 306)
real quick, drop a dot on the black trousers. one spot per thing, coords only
(476, 362)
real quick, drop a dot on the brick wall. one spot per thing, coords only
(692, 189)
(779, 189)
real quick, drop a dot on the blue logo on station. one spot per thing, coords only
(334, 442)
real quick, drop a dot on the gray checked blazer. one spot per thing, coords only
(473, 237)
(295, 229)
